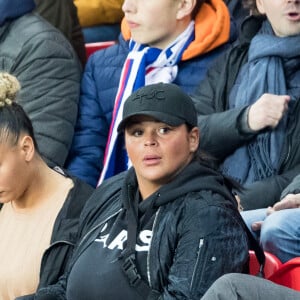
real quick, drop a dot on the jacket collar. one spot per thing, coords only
(250, 27)
(193, 178)
(12, 9)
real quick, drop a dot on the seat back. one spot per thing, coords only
(90, 48)
(272, 264)
(288, 274)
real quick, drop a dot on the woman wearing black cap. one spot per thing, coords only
(165, 229)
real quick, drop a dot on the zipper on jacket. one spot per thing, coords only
(201, 243)
(148, 256)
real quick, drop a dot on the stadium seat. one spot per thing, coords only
(272, 264)
(90, 48)
(288, 274)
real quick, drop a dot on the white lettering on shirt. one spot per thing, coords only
(145, 237)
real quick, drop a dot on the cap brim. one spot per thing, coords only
(159, 116)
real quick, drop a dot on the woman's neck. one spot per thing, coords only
(46, 184)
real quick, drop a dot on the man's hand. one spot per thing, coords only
(267, 111)
(288, 202)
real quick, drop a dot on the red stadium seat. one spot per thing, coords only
(272, 264)
(90, 48)
(288, 274)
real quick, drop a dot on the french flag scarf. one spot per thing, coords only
(143, 66)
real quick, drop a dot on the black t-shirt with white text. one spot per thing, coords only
(97, 273)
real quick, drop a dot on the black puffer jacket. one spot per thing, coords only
(223, 127)
(198, 234)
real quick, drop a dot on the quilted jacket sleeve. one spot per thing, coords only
(87, 151)
(49, 72)
(98, 91)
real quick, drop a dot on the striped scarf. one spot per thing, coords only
(144, 65)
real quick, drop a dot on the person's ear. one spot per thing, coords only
(194, 138)
(260, 6)
(185, 8)
(27, 147)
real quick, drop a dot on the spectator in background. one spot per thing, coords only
(278, 227)
(237, 10)
(248, 104)
(162, 41)
(100, 19)
(247, 287)
(48, 69)
(40, 206)
(169, 226)
(62, 14)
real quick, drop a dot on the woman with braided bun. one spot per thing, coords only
(39, 205)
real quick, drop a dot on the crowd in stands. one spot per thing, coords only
(153, 165)
(100, 19)
(62, 14)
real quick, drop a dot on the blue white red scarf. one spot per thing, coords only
(144, 65)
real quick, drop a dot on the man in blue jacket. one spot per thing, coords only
(161, 41)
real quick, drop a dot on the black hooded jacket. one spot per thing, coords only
(198, 234)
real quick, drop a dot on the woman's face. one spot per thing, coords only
(153, 22)
(13, 176)
(158, 151)
(284, 15)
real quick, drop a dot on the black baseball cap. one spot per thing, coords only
(165, 102)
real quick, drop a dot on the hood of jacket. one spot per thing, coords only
(249, 27)
(12, 9)
(193, 178)
(212, 29)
